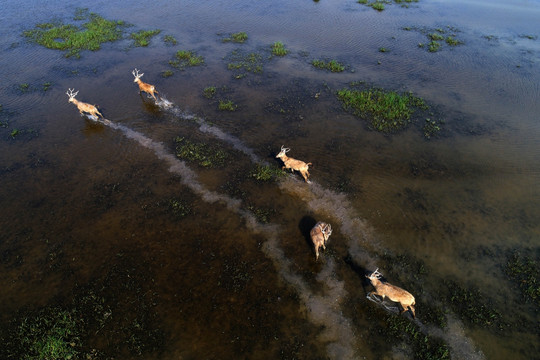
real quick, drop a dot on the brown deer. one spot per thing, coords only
(394, 293)
(83, 107)
(147, 88)
(319, 236)
(293, 164)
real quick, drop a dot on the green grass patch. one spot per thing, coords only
(203, 154)
(167, 73)
(330, 65)
(185, 58)
(179, 208)
(209, 92)
(379, 5)
(227, 105)
(266, 172)
(278, 49)
(242, 63)
(438, 37)
(170, 40)
(73, 39)
(142, 37)
(431, 128)
(389, 111)
(239, 37)
(50, 334)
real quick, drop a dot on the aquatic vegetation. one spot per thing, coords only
(185, 58)
(52, 333)
(388, 110)
(266, 172)
(431, 128)
(24, 87)
(179, 208)
(239, 37)
(167, 73)
(242, 63)
(46, 86)
(331, 65)
(525, 272)
(73, 39)
(278, 49)
(227, 105)
(203, 154)
(379, 5)
(383, 50)
(142, 37)
(209, 92)
(472, 306)
(424, 346)
(14, 133)
(437, 37)
(170, 40)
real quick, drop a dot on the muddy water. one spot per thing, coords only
(87, 205)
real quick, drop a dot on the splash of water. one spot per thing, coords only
(323, 310)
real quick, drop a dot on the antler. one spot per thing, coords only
(376, 273)
(71, 94)
(284, 149)
(137, 76)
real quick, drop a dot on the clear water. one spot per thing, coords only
(86, 204)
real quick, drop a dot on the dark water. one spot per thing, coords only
(87, 207)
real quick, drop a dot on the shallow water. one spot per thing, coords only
(87, 204)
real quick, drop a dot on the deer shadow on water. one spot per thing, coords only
(305, 225)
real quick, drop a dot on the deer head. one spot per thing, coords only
(71, 94)
(376, 275)
(283, 151)
(137, 75)
(327, 231)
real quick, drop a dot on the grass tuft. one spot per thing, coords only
(278, 49)
(142, 38)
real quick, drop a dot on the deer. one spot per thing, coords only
(293, 164)
(147, 88)
(319, 236)
(82, 106)
(394, 293)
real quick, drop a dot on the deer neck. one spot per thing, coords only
(75, 101)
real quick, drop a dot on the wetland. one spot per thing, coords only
(168, 230)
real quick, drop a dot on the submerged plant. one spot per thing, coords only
(142, 38)
(73, 39)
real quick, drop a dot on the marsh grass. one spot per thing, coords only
(142, 37)
(203, 154)
(239, 37)
(185, 58)
(388, 111)
(278, 49)
(73, 39)
(330, 65)
(167, 73)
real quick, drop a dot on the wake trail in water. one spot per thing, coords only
(322, 310)
(362, 242)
